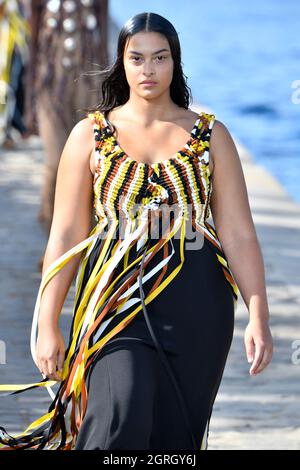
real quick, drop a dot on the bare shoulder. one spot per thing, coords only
(218, 134)
(82, 131)
(222, 146)
(80, 143)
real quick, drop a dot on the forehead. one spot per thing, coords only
(147, 43)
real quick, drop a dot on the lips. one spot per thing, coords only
(147, 82)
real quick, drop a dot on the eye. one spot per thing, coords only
(135, 57)
(161, 56)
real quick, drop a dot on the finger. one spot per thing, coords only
(61, 360)
(52, 370)
(44, 368)
(250, 349)
(259, 351)
(265, 361)
(56, 374)
(38, 365)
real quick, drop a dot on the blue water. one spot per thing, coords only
(241, 59)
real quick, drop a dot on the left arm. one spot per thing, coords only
(235, 228)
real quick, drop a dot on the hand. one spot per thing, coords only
(50, 352)
(259, 345)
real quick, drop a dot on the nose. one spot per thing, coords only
(148, 70)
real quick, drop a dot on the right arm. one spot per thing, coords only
(71, 223)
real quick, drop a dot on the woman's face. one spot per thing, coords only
(147, 56)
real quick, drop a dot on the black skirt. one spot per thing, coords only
(157, 390)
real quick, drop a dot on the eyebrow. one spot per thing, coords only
(156, 52)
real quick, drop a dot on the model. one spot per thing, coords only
(156, 283)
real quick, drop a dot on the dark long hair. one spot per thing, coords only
(114, 85)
